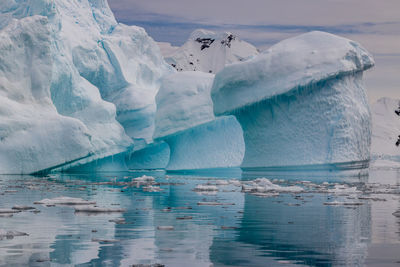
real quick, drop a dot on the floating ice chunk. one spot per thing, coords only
(2, 211)
(344, 189)
(212, 203)
(95, 209)
(105, 240)
(165, 228)
(21, 208)
(151, 188)
(338, 203)
(218, 182)
(64, 201)
(205, 188)
(143, 180)
(264, 185)
(10, 234)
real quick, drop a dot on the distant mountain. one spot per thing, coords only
(385, 132)
(207, 51)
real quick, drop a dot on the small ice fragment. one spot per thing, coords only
(228, 227)
(205, 188)
(8, 211)
(10, 234)
(165, 228)
(265, 194)
(151, 188)
(96, 209)
(210, 203)
(184, 218)
(105, 240)
(65, 201)
(118, 221)
(337, 203)
(218, 182)
(23, 208)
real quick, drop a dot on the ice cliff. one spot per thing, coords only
(185, 120)
(301, 102)
(208, 51)
(74, 83)
(385, 132)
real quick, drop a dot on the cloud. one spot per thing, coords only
(374, 24)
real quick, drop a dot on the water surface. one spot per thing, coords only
(246, 230)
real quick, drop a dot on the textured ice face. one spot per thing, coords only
(208, 52)
(33, 135)
(286, 66)
(92, 73)
(183, 101)
(300, 103)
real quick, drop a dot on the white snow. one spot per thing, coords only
(385, 132)
(208, 51)
(302, 102)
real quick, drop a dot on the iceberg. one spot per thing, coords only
(186, 122)
(75, 85)
(207, 51)
(301, 102)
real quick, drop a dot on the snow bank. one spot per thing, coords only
(301, 102)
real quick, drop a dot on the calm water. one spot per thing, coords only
(247, 230)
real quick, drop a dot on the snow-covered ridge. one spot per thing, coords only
(385, 132)
(208, 51)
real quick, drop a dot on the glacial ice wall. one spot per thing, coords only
(33, 135)
(302, 102)
(186, 122)
(79, 75)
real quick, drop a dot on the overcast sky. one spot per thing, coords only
(373, 23)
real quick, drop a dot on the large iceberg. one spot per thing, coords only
(70, 76)
(302, 102)
(185, 120)
(208, 51)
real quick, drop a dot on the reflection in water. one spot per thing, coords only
(255, 231)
